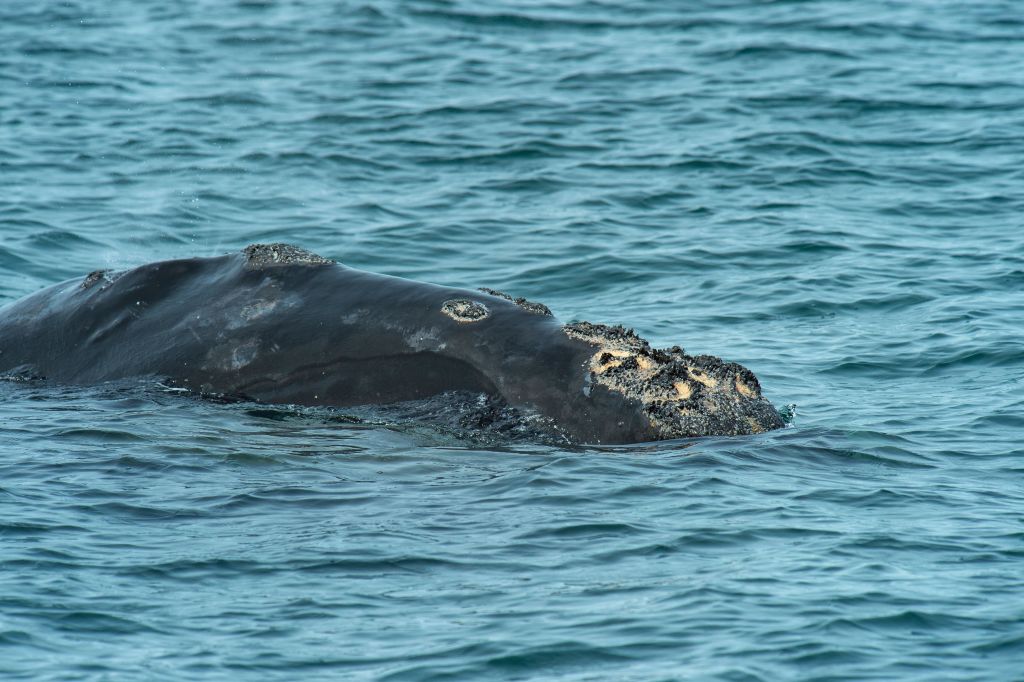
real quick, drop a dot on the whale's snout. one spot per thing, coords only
(682, 395)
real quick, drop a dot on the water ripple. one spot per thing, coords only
(824, 191)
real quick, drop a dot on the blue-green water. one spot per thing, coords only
(829, 192)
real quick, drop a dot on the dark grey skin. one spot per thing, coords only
(279, 325)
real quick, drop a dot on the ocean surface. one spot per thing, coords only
(830, 192)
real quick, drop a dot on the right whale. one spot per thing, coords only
(277, 324)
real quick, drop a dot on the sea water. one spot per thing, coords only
(828, 192)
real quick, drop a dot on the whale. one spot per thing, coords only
(274, 323)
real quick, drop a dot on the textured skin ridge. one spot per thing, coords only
(259, 256)
(683, 395)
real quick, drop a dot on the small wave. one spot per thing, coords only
(776, 51)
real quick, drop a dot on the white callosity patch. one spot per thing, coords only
(682, 395)
(259, 256)
(528, 306)
(102, 277)
(465, 310)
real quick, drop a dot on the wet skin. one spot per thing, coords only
(278, 325)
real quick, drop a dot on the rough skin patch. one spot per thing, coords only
(529, 306)
(683, 395)
(102, 277)
(94, 277)
(464, 310)
(260, 256)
